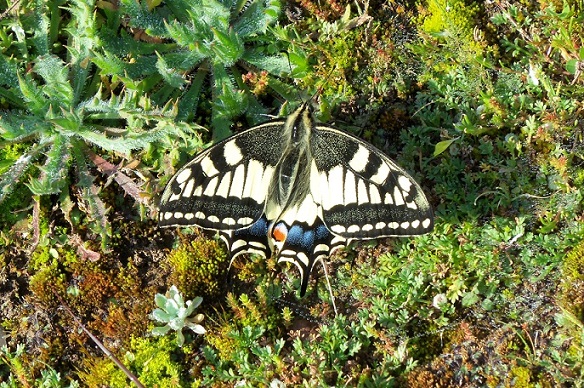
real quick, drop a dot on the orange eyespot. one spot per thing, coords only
(280, 232)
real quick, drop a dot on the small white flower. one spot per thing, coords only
(439, 300)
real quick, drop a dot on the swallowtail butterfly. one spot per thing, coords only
(296, 189)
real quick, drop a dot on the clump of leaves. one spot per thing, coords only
(175, 313)
(222, 39)
(20, 377)
(59, 119)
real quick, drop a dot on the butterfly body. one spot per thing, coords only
(297, 189)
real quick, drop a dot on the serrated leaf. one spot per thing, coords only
(140, 17)
(228, 47)
(256, 18)
(169, 74)
(273, 64)
(54, 72)
(36, 103)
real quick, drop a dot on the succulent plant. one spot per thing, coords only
(174, 312)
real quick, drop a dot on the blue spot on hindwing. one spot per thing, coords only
(321, 232)
(258, 228)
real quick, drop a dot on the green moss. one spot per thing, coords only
(520, 377)
(198, 267)
(451, 16)
(573, 284)
(152, 360)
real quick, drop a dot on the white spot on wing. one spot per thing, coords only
(252, 178)
(211, 186)
(183, 175)
(404, 183)
(367, 227)
(317, 189)
(426, 223)
(223, 189)
(178, 215)
(259, 189)
(415, 224)
(188, 188)
(412, 205)
(245, 221)
(360, 159)
(232, 153)
(353, 229)
(381, 174)
(333, 195)
(200, 215)
(228, 221)
(362, 192)
(237, 182)
(340, 229)
(307, 211)
(393, 225)
(350, 191)
(189, 216)
(208, 166)
(374, 196)
(294, 257)
(388, 199)
(213, 219)
(405, 225)
(380, 225)
(238, 244)
(397, 195)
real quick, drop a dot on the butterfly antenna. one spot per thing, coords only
(328, 284)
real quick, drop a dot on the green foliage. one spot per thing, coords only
(572, 300)
(209, 39)
(19, 377)
(490, 298)
(59, 119)
(175, 313)
(250, 362)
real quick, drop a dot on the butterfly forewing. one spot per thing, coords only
(363, 193)
(223, 187)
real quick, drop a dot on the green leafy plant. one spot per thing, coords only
(18, 376)
(175, 313)
(227, 41)
(61, 123)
